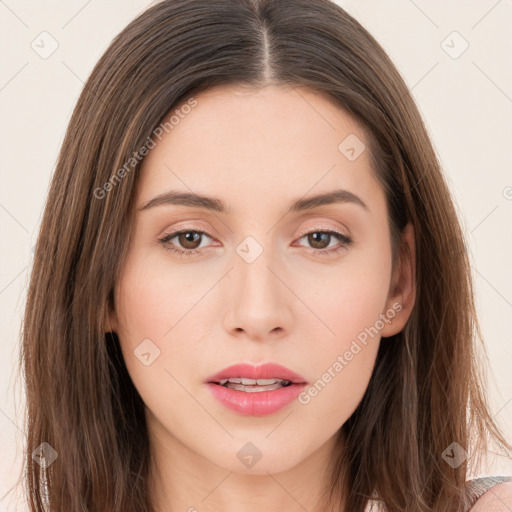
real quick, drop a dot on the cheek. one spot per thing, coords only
(342, 363)
(158, 312)
(349, 297)
(347, 342)
(151, 298)
(149, 303)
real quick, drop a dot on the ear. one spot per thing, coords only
(402, 290)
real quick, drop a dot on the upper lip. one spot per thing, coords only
(265, 371)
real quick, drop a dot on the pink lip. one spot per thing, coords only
(258, 403)
(265, 371)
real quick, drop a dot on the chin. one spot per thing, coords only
(258, 456)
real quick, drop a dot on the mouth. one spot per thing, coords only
(256, 379)
(256, 390)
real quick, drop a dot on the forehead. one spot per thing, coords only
(273, 142)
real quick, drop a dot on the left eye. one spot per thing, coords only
(320, 237)
(188, 239)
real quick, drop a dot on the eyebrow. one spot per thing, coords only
(175, 197)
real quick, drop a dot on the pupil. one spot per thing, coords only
(188, 238)
(316, 238)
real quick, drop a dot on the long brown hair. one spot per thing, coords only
(427, 390)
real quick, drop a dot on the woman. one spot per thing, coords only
(251, 288)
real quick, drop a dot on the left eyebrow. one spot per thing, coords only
(176, 197)
(335, 196)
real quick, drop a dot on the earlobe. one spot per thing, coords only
(402, 293)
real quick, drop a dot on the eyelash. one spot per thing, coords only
(345, 242)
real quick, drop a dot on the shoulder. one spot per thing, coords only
(497, 499)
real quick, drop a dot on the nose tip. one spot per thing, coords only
(259, 305)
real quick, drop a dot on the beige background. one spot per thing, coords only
(466, 101)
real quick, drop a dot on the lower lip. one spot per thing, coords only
(260, 403)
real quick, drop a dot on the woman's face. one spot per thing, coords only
(259, 280)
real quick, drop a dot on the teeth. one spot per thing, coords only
(253, 389)
(253, 382)
(266, 382)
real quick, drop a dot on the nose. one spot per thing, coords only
(260, 300)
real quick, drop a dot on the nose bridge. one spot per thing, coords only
(255, 259)
(259, 302)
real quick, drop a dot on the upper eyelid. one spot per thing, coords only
(317, 228)
(302, 233)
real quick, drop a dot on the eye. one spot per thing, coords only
(320, 240)
(190, 241)
(188, 238)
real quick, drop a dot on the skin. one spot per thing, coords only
(496, 499)
(258, 151)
